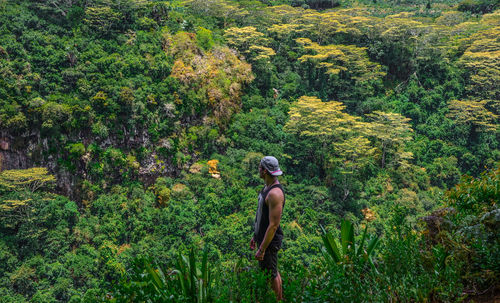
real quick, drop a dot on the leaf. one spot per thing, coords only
(360, 247)
(371, 246)
(157, 281)
(330, 245)
(346, 235)
(192, 273)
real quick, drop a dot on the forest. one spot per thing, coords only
(131, 133)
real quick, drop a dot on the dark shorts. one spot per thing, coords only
(270, 263)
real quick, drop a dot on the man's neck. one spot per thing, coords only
(270, 181)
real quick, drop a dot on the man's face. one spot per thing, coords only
(262, 171)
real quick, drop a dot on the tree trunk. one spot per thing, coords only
(383, 155)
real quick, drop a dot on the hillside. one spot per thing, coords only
(133, 129)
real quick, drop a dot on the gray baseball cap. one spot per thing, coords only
(270, 163)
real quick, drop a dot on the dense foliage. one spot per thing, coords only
(131, 133)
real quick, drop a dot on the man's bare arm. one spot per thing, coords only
(275, 204)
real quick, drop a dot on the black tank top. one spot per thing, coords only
(262, 219)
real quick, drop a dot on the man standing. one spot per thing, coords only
(267, 233)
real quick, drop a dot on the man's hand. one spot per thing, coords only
(260, 254)
(252, 244)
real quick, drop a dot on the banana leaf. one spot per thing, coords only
(192, 274)
(346, 236)
(330, 245)
(362, 243)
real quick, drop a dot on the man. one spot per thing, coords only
(268, 234)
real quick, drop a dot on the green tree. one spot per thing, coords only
(101, 19)
(226, 11)
(204, 38)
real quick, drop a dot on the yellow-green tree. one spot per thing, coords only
(405, 42)
(323, 26)
(335, 59)
(311, 117)
(281, 31)
(182, 45)
(352, 155)
(212, 79)
(482, 62)
(283, 14)
(321, 122)
(391, 130)
(250, 42)
(218, 78)
(18, 201)
(31, 179)
(334, 139)
(473, 113)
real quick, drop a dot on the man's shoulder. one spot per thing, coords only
(275, 194)
(278, 188)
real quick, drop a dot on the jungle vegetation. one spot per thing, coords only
(131, 133)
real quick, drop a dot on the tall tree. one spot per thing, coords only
(250, 42)
(341, 66)
(30, 179)
(321, 122)
(482, 62)
(391, 130)
(352, 155)
(473, 113)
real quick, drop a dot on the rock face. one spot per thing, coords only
(4, 144)
(18, 158)
(11, 159)
(31, 149)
